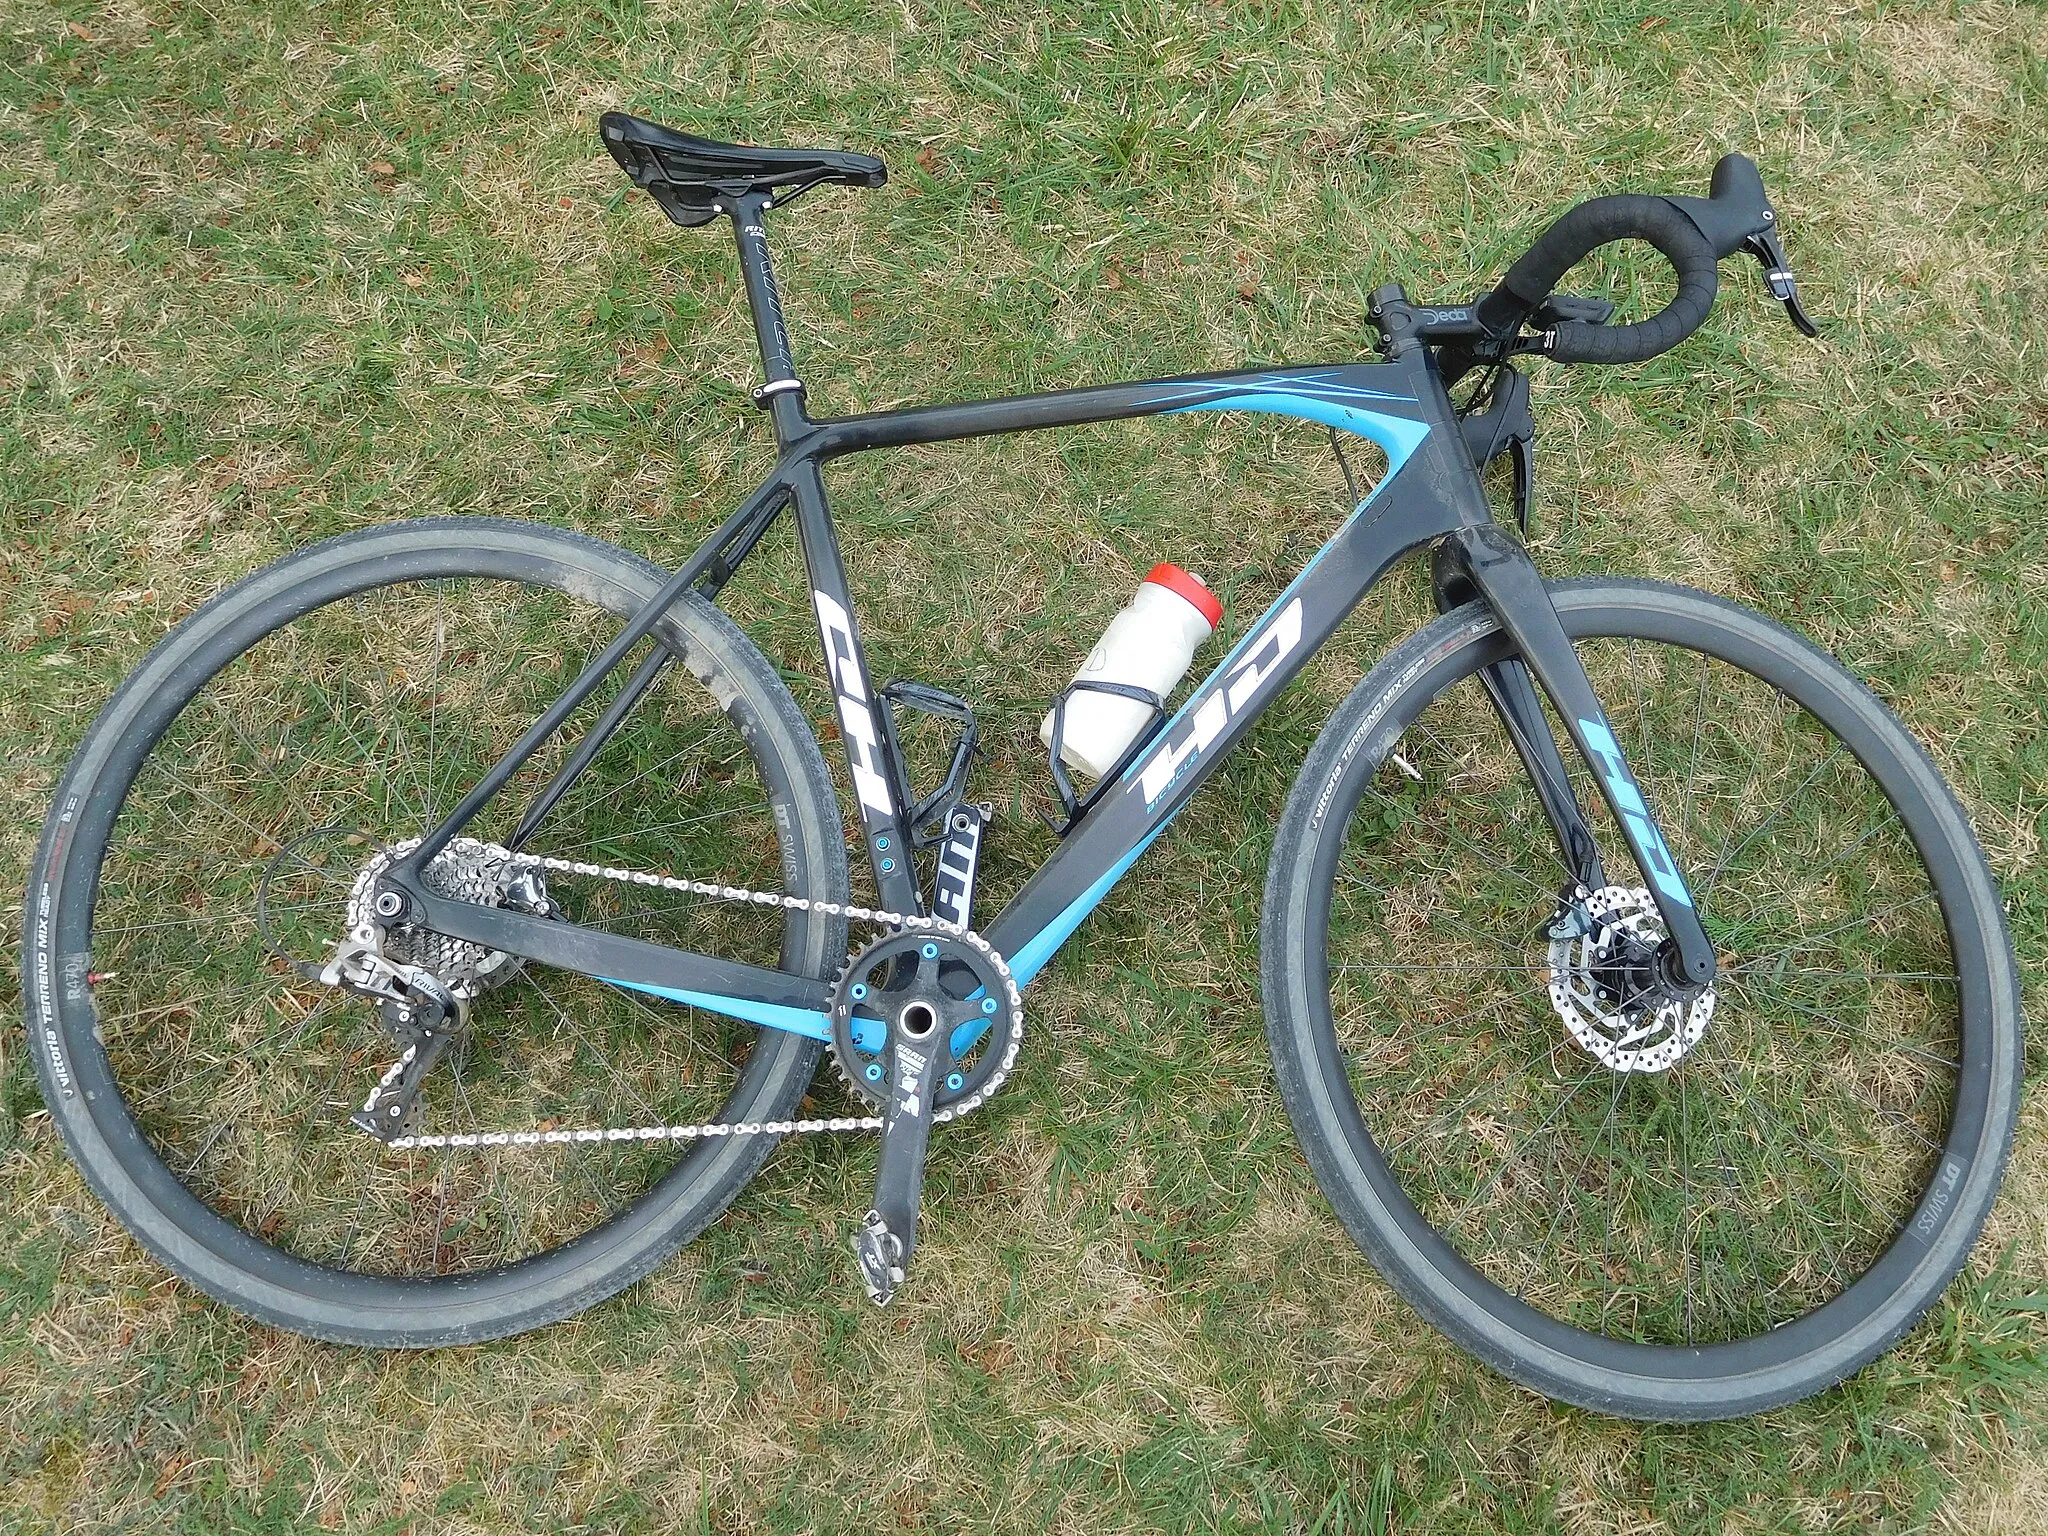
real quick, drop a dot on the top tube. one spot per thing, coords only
(1376, 400)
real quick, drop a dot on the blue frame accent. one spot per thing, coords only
(1028, 961)
(1628, 798)
(1397, 436)
(798, 1021)
(867, 1034)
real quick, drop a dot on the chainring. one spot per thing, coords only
(1624, 1023)
(968, 984)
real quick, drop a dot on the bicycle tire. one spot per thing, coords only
(100, 1128)
(1625, 1376)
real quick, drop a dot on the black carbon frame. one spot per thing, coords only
(1431, 495)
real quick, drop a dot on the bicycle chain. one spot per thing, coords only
(900, 921)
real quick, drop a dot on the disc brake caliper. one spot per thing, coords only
(1607, 983)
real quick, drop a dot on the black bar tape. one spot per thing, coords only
(1602, 221)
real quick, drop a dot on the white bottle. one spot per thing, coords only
(1148, 645)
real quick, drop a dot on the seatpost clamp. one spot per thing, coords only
(776, 387)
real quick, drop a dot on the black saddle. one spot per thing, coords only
(695, 180)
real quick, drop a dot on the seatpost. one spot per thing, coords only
(782, 393)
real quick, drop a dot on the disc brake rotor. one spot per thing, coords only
(1603, 984)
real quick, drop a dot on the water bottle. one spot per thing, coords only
(1148, 645)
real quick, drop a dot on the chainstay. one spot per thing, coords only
(583, 1136)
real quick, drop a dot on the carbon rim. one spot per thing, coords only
(146, 1187)
(1423, 1107)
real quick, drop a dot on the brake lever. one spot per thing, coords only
(1522, 458)
(1764, 246)
(1507, 426)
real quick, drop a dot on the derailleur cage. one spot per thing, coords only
(428, 1021)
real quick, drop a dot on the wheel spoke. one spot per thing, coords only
(1734, 1190)
(1714, 875)
(359, 714)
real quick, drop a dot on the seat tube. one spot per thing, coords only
(884, 818)
(781, 392)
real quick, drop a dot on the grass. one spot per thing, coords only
(269, 273)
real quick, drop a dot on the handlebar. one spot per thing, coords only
(1583, 230)
(1692, 233)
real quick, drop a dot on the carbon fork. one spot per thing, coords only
(1495, 567)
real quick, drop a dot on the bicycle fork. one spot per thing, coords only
(1484, 561)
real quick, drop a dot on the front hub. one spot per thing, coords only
(1609, 982)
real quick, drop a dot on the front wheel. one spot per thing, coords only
(1665, 1213)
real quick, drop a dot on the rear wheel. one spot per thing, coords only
(223, 809)
(1668, 1216)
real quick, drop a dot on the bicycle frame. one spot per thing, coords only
(1430, 494)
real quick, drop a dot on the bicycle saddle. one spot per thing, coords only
(696, 179)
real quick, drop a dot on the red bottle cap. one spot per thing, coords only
(1188, 587)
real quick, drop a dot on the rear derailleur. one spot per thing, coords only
(426, 1019)
(422, 982)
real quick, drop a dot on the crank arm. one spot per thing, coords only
(888, 1233)
(959, 859)
(1502, 573)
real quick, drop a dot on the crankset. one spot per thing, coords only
(925, 1025)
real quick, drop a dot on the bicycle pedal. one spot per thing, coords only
(879, 1253)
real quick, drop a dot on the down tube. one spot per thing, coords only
(1402, 512)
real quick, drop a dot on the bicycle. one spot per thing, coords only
(1716, 1108)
